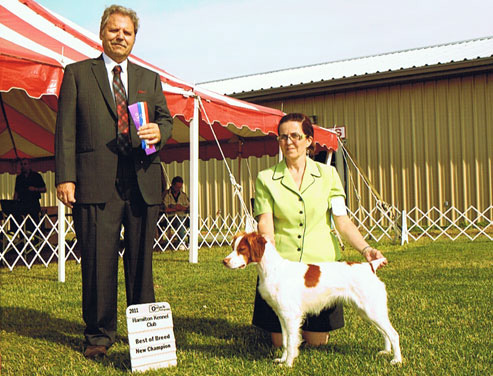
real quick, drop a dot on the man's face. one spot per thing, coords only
(177, 187)
(25, 165)
(118, 37)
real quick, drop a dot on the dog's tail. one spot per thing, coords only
(375, 264)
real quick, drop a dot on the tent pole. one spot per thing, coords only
(61, 241)
(194, 182)
(240, 150)
(329, 158)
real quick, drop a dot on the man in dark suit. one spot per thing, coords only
(103, 173)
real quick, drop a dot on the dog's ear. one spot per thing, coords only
(257, 246)
(241, 233)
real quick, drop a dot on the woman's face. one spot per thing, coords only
(292, 147)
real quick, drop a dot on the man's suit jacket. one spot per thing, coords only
(86, 128)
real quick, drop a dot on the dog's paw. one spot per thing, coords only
(384, 353)
(288, 363)
(283, 358)
(396, 362)
(283, 363)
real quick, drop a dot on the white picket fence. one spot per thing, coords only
(39, 244)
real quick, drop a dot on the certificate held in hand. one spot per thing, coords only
(140, 116)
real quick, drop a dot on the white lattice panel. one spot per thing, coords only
(25, 243)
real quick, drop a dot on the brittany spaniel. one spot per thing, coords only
(294, 289)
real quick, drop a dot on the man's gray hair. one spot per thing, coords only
(120, 10)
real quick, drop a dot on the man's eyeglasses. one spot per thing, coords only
(294, 136)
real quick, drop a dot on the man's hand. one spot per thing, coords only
(150, 133)
(36, 189)
(65, 192)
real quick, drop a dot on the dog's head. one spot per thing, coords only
(248, 248)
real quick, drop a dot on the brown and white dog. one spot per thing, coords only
(294, 289)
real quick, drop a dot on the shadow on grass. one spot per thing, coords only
(36, 324)
(214, 338)
(40, 325)
(220, 338)
(231, 340)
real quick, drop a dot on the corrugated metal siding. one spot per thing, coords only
(426, 144)
(7, 186)
(215, 188)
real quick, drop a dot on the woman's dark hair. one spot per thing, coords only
(306, 126)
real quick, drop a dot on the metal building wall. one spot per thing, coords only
(424, 144)
(215, 188)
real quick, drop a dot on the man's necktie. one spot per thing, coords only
(123, 140)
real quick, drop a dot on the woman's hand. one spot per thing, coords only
(373, 254)
(349, 232)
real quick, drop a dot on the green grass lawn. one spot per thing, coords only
(440, 302)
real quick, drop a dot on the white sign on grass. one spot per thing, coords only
(150, 336)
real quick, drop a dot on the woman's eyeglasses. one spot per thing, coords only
(294, 136)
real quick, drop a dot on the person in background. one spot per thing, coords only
(103, 173)
(28, 188)
(176, 206)
(294, 203)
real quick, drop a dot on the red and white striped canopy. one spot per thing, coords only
(35, 46)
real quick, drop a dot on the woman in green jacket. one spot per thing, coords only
(294, 203)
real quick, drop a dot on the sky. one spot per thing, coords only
(207, 40)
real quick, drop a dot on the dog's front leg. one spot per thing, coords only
(291, 339)
(284, 334)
